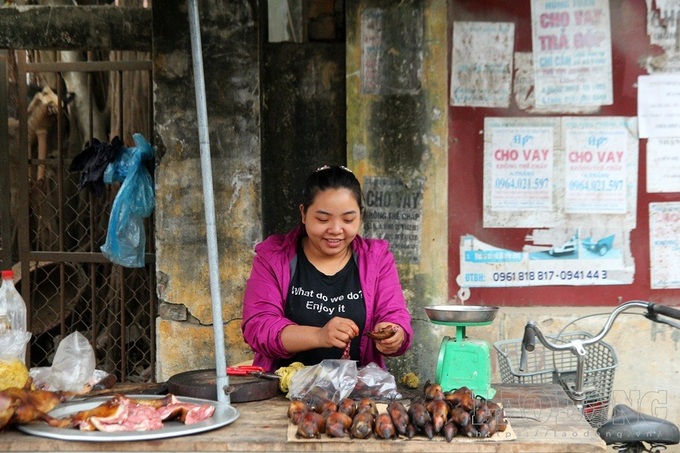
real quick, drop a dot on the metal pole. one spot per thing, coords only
(209, 203)
(5, 196)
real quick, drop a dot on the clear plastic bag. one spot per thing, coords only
(376, 383)
(13, 345)
(125, 239)
(73, 364)
(330, 380)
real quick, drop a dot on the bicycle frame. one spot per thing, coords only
(578, 346)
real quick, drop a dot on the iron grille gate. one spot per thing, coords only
(51, 229)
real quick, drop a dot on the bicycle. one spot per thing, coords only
(628, 429)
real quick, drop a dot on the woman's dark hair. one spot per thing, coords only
(332, 177)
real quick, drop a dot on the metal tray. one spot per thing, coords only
(224, 414)
(471, 314)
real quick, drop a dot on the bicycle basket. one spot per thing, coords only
(547, 366)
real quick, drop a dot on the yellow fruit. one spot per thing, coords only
(410, 380)
(286, 373)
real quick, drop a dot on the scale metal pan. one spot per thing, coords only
(462, 314)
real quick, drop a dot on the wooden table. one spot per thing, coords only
(542, 416)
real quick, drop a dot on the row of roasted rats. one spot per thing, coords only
(435, 412)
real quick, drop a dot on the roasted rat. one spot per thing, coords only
(311, 425)
(463, 397)
(382, 334)
(347, 406)
(362, 425)
(337, 424)
(439, 410)
(367, 405)
(384, 428)
(399, 416)
(296, 410)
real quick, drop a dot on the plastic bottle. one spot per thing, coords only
(5, 325)
(14, 303)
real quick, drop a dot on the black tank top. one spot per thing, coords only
(314, 298)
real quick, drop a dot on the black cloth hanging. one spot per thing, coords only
(92, 161)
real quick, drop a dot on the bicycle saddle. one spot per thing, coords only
(628, 425)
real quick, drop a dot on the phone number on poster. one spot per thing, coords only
(522, 183)
(596, 185)
(548, 276)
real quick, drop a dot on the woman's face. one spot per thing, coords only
(332, 221)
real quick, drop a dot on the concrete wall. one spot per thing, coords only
(303, 123)
(397, 129)
(230, 37)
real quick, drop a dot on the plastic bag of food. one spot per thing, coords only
(375, 383)
(73, 364)
(330, 380)
(13, 373)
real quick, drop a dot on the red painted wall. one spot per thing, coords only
(466, 149)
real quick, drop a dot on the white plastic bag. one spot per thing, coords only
(73, 363)
(374, 382)
(330, 380)
(13, 345)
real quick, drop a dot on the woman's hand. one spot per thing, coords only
(338, 332)
(391, 345)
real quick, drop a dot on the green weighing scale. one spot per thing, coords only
(463, 361)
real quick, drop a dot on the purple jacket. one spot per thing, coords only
(267, 289)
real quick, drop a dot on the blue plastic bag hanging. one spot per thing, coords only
(125, 238)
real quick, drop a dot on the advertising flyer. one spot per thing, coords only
(590, 256)
(524, 93)
(481, 65)
(595, 169)
(522, 169)
(522, 157)
(572, 52)
(662, 29)
(664, 245)
(560, 172)
(394, 211)
(659, 105)
(663, 165)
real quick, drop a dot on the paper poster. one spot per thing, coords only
(585, 256)
(664, 245)
(524, 93)
(663, 165)
(572, 52)
(520, 160)
(662, 29)
(659, 105)
(521, 169)
(595, 169)
(394, 212)
(662, 26)
(557, 172)
(481, 64)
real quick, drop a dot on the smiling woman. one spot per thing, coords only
(313, 292)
